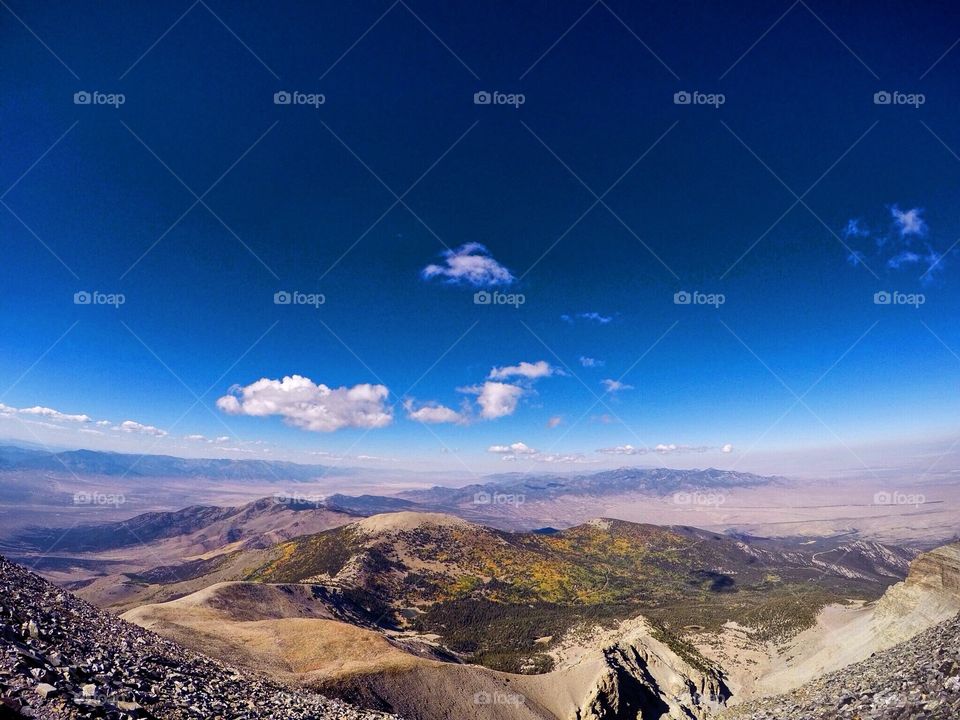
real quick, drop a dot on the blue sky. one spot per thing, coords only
(597, 200)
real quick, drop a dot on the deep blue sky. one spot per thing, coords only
(402, 97)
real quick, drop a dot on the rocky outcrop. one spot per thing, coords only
(929, 594)
(644, 677)
(917, 679)
(62, 658)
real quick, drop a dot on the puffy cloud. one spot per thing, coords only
(909, 222)
(51, 414)
(622, 450)
(855, 228)
(432, 413)
(728, 448)
(197, 438)
(498, 399)
(531, 371)
(131, 426)
(589, 362)
(469, 264)
(555, 421)
(311, 406)
(613, 386)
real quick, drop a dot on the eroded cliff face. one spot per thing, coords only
(929, 595)
(643, 677)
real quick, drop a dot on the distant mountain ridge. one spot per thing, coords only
(659, 481)
(96, 462)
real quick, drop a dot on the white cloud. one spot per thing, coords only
(663, 449)
(622, 450)
(531, 371)
(52, 414)
(522, 451)
(589, 362)
(197, 438)
(612, 386)
(311, 406)
(131, 426)
(222, 439)
(517, 448)
(591, 316)
(470, 264)
(909, 222)
(432, 413)
(496, 399)
(555, 421)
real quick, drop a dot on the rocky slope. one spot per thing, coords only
(62, 658)
(917, 679)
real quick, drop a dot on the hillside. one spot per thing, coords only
(61, 658)
(919, 678)
(490, 594)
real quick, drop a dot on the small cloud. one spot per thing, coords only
(855, 229)
(622, 450)
(728, 448)
(907, 257)
(909, 222)
(311, 406)
(614, 386)
(588, 316)
(432, 413)
(555, 421)
(589, 362)
(469, 264)
(197, 438)
(517, 448)
(498, 399)
(131, 426)
(51, 414)
(855, 257)
(531, 371)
